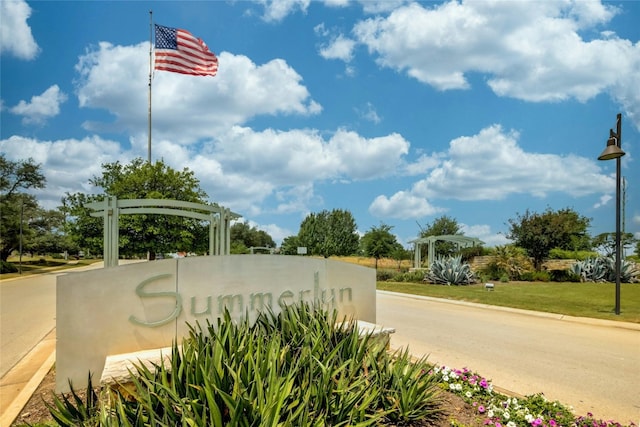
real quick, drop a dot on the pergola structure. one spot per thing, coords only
(459, 241)
(111, 208)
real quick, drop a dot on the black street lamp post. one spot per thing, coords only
(614, 151)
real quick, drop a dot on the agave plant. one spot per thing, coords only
(603, 269)
(450, 271)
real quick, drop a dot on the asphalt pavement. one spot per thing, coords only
(592, 365)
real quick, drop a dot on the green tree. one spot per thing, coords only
(243, 237)
(49, 235)
(538, 233)
(329, 233)
(400, 254)
(17, 207)
(443, 226)
(290, 245)
(378, 243)
(142, 234)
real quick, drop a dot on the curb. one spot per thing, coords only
(11, 412)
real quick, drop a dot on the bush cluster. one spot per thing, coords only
(7, 267)
(299, 368)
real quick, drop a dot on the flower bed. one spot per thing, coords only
(499, 410)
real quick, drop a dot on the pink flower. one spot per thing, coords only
(481, 409)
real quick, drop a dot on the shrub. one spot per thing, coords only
(491, 272)
(299, 368)
(409, 276)
(383, 275)
(563, 276)
(468, 253)
(513, 261)
(7, 267)
(536, 276)
(558, 253)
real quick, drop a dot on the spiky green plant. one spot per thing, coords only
(450, 271)
(303, 367)
(603, 269)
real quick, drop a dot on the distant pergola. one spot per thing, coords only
(459, 241)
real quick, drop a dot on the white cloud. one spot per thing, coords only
(422, 165)
(531, 53)
(380, 6)
(277, 10)
(67, 164)
(604, 199)
(186, 108)
(15, 34)
(336, 3)
(41, 107)
(369, 113)
(491, 166)
(402, 205)
(340, 48)
(484, 233)
(245, 170)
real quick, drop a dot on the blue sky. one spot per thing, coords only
(399, 112)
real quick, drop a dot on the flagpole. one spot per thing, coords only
(150, 65)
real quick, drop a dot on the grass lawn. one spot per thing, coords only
(596, 300)
(37, 265)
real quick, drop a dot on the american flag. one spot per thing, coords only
(180, 52)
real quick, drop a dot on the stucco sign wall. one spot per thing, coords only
(148, 305)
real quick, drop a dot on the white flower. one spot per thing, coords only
(458, 387)
(490, 413)
(511, 424)
(445, 378)
(468, 394)
(506, 415)
(528, 418)
(452, 386)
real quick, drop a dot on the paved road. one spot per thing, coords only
(593, 366)
(27, 313)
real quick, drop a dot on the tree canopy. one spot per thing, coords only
(378, 243)
(141, 234)
(17, 207)
(443, 226)
(243, 237)
(290, 245)
(329, 233)
(538, 233)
